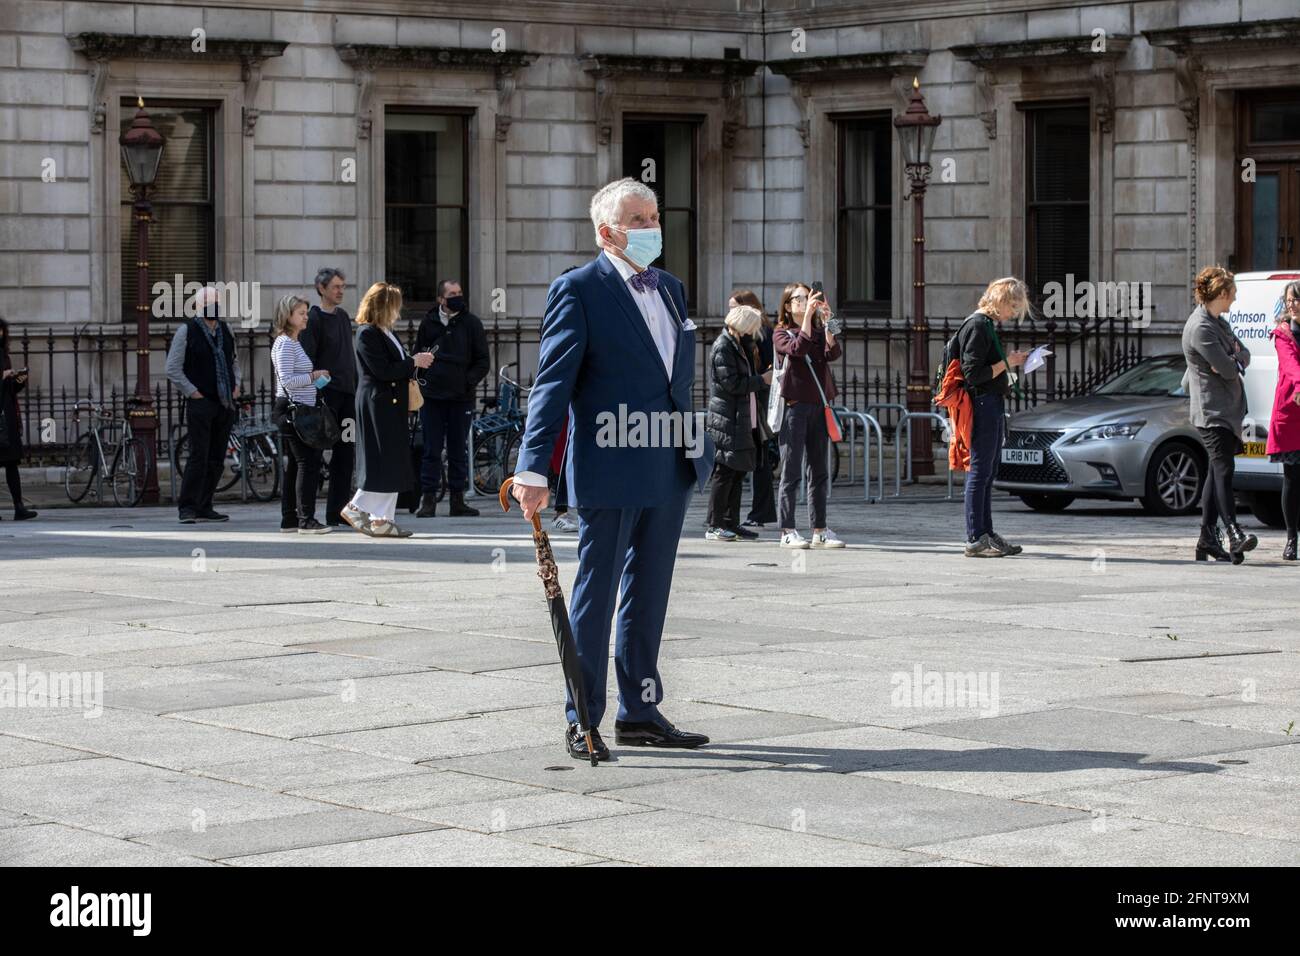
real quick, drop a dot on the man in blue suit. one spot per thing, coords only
(618, 350)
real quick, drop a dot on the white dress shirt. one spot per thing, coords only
(660, 323)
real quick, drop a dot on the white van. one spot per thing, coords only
(1258, 481)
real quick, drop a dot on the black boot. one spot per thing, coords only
(428, 505)
(23, 513)
(1238, 540)
(1209, 545)
(458, 507)
(1289, 552)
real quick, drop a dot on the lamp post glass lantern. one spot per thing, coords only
(142, 149)
(916, 128)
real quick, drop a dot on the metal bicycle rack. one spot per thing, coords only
(868, 423)
(905, 423)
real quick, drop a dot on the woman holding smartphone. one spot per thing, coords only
(296, 382)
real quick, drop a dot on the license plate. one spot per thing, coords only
(1022, 456)
(1254, 449)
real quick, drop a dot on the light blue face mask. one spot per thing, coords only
(643, 245)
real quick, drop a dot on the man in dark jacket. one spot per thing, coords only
(203, 365)
(461, 360)
(327, 340)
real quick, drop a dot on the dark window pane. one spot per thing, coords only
(865, 214)
(1265, 202)
(182, 234)
(1060, 155)
(661, 153)
(1276, 122)
(426, 220)
(1057, 195)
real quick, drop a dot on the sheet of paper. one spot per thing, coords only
(1036, 359)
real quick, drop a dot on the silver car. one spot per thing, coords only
(1130, 438)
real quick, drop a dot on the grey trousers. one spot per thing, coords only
(803, 434)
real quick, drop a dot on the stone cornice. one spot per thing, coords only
(666, 67)
(1185, 40)
(366, 56)
(103, 48)
(126, 46)
(1048, 52)
(813, 69)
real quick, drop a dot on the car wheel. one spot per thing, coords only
(1048, 502)
(1267, 507)
(1174, 479)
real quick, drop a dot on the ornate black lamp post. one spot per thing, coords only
(916, 128)
(142, 149)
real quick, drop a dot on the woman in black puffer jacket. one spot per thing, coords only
(733, 416)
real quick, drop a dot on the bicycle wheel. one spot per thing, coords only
(230, 467)
(263, 468)
(80, 468)
(180, 454)
(492, 459)
(130, 467)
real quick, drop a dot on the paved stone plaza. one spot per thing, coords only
(276, 700)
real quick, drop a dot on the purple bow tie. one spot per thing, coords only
(646, 281)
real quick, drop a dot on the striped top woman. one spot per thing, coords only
(296, 383)
(293, 372)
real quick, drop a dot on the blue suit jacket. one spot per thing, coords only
(599, 361)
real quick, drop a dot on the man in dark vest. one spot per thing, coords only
(459, 364)
(327, 340)
(203, 365)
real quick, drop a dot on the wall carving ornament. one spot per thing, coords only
(103, 48)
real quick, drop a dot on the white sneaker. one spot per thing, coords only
(793, 539)
(564, 523)
(825, 539)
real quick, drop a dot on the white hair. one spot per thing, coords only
(744, 320)
(607, 204)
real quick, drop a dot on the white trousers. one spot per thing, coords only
(378, 504)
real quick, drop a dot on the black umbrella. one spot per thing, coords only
(550, 575)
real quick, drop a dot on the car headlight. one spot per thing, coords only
(1109, 430)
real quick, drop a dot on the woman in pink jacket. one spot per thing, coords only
(1284, 428)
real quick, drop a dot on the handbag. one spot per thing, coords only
(775, 400)
(414, 397)
(832, 423)
(315, 425)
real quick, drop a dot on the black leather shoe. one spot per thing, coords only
(1239, 540)
(577, 744)
(1209, 546)
(660, 733)
(428, 505)
(458, 507)
(212, 516)
(24, 514)
(1289, 552)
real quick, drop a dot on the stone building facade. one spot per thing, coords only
(1103, 138)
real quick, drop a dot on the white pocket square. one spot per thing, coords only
(688, 326)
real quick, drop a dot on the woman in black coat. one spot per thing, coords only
(11, 432)
(762, 509)
(732, 420)
(382, 438)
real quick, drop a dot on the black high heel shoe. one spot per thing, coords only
(1209, 545)
(1289, 552)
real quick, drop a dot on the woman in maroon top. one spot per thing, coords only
(805, 349)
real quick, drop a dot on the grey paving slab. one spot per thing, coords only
(1271, 764)
(433, 848)
(16, 752)
(314, 716)
(299, 667)
(667, 838)
(1108, 840)
(52, 844)
(126, 799)
(467, 652)
(308, 764)
(845, 807)
(204, 652)
(1126, 736)
(519, 813)
(199, 695)
(406, 793)
(284, 833)
(456, 737)
(1233, 804)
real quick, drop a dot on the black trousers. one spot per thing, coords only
(445, 424)
(1217, 501)
(724, 497)
(15, 483)
(803, 433)
(763, 507)
(1290, 497)
(301, 472)
(209, 423)
(343, 456)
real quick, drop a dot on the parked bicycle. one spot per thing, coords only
(252, 447)
(497, 436)
(107, 451)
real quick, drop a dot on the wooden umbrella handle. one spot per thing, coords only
(503, 496)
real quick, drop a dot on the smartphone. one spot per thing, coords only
(322, 381)
(817, 287)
